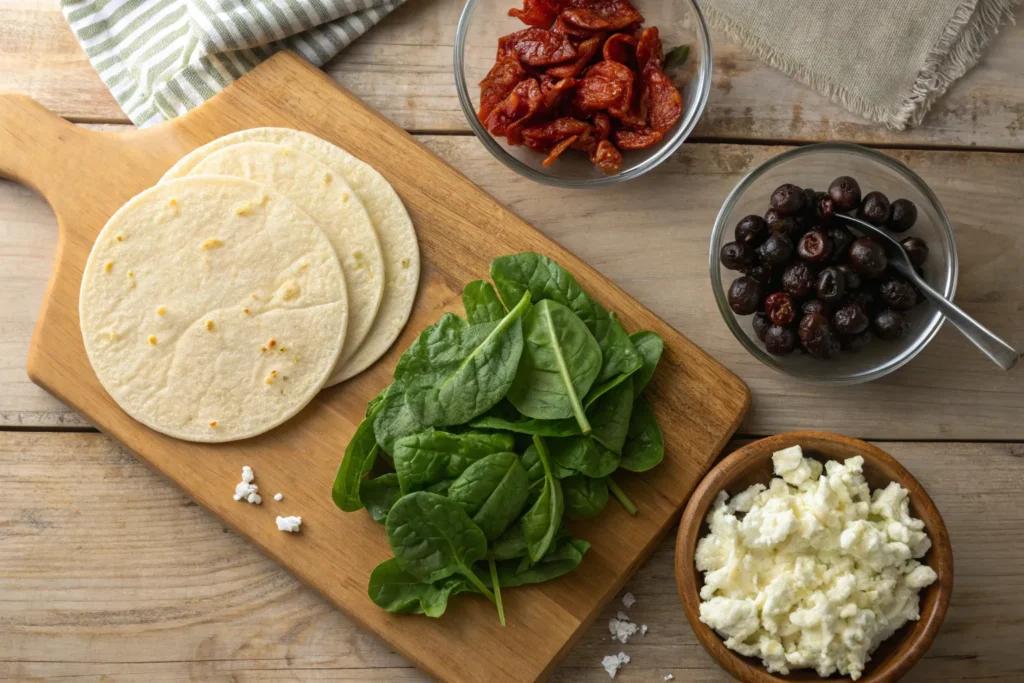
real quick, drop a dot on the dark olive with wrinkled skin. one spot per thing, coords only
(854, 343)
(798, 280)
(737, 256)
(771, 217)
(776, 251)
(866, 300)
(889, 325)
(761, 323)
(824, 207)
(831, 285)
(917, 250)
(902, 216)
(815, 246)
(841, 238)
(844, 193)
(745, 295)
(898, 293)
(779, 340)
(786, 226)
(810, 212)
(816, 306)
(779, 307)
(818, 338)
(853, 279)
(788, 199)
(868, 257)
(850, 319)
(751, 230)
(762, 274)
(874, 209)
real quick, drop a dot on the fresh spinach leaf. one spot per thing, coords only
(582, 455)
(398, 591)
(504, 417)
(516, 274)
(650, 346)
(373, 407)
(562, 560)
(379, 495)
(645, 447)
(492, 491)
(610, 416)
(433, 538)
(533, 466)
(455, 371)
(430, 456)
(584, 497)
(395, 420)
(360, 455)
(542, 521)
(482, 303)
(560, 361)
(677, 56)
(439, 487)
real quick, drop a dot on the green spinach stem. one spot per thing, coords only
(480, 586)
(497, 590)
(621, 495)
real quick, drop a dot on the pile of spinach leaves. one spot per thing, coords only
(496, 429)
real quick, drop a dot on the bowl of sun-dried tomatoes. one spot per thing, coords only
(582, 93)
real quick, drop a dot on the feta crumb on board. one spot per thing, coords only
(622, 628)
(290, 524)
(612, 663)
(245, 489)
(278, 496)
(628, 600)
(668, 677)
(643, 630)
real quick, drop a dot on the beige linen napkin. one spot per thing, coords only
(887, 60)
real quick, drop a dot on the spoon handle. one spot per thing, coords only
(1001, 353)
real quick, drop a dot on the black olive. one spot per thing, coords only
(903, 215)
(786, 226)
(844, 193)
(868, 257)
(798, 280)
(874, 209)
(850, 319)
(831, 285)
(824, 207)
(779, 307)
(898, 293)
(776, 251)
(761, 323)
(745, 295)
(760, 273)
(866, 300)
(841, 238)
(751, 230)
(815, 246)
(779, 340)
(788, 199)
(889, 325)
(771, 217)
(817, 337)
(815, 306)
(917, 250)
(853, 280)
(737, 255)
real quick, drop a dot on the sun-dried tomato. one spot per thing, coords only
(564, 29)
(509, 117)
(607, 158)
(537, 46)
(553, 90)
(636, 138)
(601, 15)
(543, 136)
(666, 104)
(539, 13)
(606, 85)
(585, 52)
(649, 50)
(506, 73)
(620, 47)
(602, 126)
(557, 150)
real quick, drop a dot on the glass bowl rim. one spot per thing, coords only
(731, 320)
(683, 127)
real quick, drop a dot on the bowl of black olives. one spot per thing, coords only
(812, 297)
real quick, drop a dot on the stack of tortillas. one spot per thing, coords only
(265, 266)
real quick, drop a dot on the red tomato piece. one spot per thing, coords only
(601, 15)
(607, 158)
(620, 47)
(539, 13)
(553, 90)
(542, 136)
(607, 85)
(666, 104)
(559, 148)
(649, 50)
(585, 52)
(602, 126)
(506, 73)
(509, 117)
(537, 47)
(637, 138)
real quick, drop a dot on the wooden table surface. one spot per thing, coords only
(108, 572)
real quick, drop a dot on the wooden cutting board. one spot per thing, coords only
(87, 175)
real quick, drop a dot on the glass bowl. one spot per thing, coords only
(816, 166)
(476, 42)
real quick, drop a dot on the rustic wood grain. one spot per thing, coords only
(699, 403)
(651, 237)
(109, 573)
(403, 68)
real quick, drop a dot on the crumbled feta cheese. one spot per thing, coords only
(622, 628)
(612, 663)
(628, 600)
(278, 496)
(245, 489)
(815, 570)
(643, 630)
(290, 524)
(668, 677)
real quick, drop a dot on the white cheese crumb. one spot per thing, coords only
(278, 496)
(612, 663)
(668, 677)
(643, 630)
(628, 600)
(245, 489)
(622, 628)
(290, 524)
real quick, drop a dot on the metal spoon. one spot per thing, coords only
(1001, 353)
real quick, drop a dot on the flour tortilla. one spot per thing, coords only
(185, 287)
(394, 229)
(332, 205)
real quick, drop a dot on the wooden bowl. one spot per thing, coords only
(753, 464)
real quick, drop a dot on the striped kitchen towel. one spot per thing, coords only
(161, 58)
